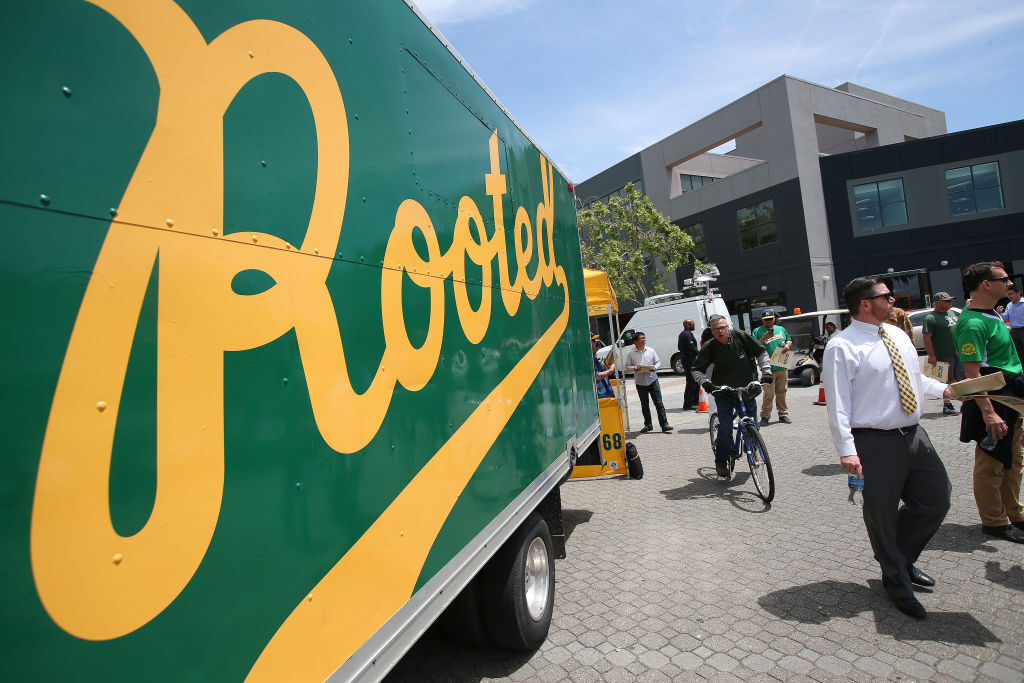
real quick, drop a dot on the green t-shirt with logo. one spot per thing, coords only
(981, 335)
(780, 339)
(940, 326)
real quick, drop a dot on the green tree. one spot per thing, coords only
(625, 236)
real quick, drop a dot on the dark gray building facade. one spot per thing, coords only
(927, 208)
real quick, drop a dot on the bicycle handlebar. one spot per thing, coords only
(739, 390)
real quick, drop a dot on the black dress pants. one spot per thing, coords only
(901, 466)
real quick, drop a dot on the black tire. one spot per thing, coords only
(760, 464)
(517, 588)
(807, 377)
(634, 467)
(713, 430)
(677, 364)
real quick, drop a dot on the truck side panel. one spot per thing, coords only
(294, 312)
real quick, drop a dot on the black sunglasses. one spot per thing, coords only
(1008, 280)
(887, 295)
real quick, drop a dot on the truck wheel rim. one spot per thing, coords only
(538, 582)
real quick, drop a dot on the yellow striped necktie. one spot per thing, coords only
(907, 398)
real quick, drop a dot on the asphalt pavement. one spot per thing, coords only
(680, 576)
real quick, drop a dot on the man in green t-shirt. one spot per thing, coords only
(937, 332)
(738, 360)
(984, 346)
(774, 336)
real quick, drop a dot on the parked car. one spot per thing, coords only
(917, 320)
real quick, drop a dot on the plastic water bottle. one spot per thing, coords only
(856, 490)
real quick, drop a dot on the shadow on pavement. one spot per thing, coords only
(708, 485)
(963, 538)
(820, 602)
(823, 470)
(693, 430)
(1011, 578)
(571, 518)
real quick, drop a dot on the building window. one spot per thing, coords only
(694, 182)
(696, 233)
(757, 224)
(974, 188)
(880, 205)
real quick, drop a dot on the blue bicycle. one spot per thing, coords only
(748, 441)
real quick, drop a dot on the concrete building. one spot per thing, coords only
(927, 209)
(758, 212)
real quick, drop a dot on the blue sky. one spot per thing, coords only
(593, 81)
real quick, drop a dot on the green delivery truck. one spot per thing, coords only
(295, 344)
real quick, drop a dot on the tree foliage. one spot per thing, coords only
(624, 236)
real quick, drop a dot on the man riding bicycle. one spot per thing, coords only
(739, 360)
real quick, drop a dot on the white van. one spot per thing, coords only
(661, 320)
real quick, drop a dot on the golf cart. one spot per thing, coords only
(808, 333)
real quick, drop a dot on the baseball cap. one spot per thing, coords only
(768, 313)
(942, 296)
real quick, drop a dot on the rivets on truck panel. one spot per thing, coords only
(170, 222)
(298, 485)
(284, 380)
(215, 231)
(251, 55)
(316, 250)
(44, 199)
(67, 91)
(113, 212)
(101, 406)
(254, 239)
(117, 558)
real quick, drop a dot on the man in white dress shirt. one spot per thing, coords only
(644, 363)
(874, 390)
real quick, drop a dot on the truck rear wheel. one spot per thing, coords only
(517, 589)
(807, 377)
(677, 364)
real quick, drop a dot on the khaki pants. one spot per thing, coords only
(996, 489)
(776, 390)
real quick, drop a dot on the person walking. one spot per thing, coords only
(772, 337)
(687, 352)
(1013, 315)
(874, 392)
(644, 363)
(937, 333)
(738, 359)
(985, 347)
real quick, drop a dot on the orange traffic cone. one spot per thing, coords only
(702, 406)
(821, 394)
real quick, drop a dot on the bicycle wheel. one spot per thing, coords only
(760, 463)
(713, 429)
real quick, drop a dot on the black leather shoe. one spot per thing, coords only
(919, 578)
(1018, 525)
(1008, 532)
(646, 429)
(909, 606)
(667, 428)
(785, 420)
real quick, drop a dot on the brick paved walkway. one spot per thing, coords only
(680, 576)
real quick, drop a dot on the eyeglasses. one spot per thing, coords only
(1008, 280)
(886, 295)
